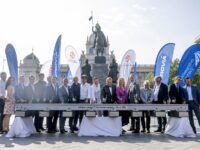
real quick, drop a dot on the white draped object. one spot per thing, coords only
(21, 127)
(179, 127)
(72, 59)
(127, 63)
(100, 126)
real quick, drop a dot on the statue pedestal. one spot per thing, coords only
(101, 72)
(100, 60)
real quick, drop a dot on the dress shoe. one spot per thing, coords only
(158, 130)
(123, 131)
(143, 131)
(148, 131)
(75, 129)
(71, 131)
(131, 129)
(4, 131)
(50, 131)
(56, 130)
(62, 131)
(163, 130)
(42, 129)
(136, 131)
(38, 131)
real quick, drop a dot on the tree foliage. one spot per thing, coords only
(173, 70)
(150, 77)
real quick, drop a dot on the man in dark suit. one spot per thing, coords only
(75, 88)
(39, 92)
(160, 97)
(51, 96)
(20, 90)
(176, 92)
(109, 93)
(193, 101)
(65, 96)
(134, 98)
(31, 98)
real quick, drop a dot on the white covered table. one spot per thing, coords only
(21, 127)
(179, 127)
(100, 126)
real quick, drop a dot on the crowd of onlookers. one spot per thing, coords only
(83, 92)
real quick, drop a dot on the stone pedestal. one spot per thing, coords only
(101, 71)
(100, 60)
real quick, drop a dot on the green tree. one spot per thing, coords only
(196, 79)
(173, 70)
(150, 77)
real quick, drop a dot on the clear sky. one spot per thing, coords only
(142, 25)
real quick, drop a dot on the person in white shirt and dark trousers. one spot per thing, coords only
(95, 92)
(160, 93)
(193, 101)
(84, 94)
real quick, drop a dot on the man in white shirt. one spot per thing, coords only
(84, 94)
(160, 94)
(2, 97)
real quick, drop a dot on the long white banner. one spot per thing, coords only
(127, 63)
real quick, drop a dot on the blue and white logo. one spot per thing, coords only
(197, 58)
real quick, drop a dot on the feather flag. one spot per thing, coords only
(56, 59)
(12, 61)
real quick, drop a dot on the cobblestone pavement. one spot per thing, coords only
(126, 142)
(129, 141)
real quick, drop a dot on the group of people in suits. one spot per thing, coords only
(51, 92)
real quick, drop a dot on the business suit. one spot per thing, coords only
(162, 98)
(134, 98)
(20, 92)
(39, 94)
(108, 96)
(176, 94)
(146, 96)
(51, 96)
(75, 89)
(193, 105)
(65, 96)
(31, 97)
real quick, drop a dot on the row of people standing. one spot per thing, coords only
(85, 93)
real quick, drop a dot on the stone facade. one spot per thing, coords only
(31, 66)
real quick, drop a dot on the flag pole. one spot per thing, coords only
(92, 18)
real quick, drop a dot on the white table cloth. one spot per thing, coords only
(179, 127)
(100, 126)
(21, 127)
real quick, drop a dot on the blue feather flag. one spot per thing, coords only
(56, 59)
(163, 62)
(12, 61)
(189, 62)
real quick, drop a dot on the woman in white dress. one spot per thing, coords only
(9, 106)
(95, 93)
